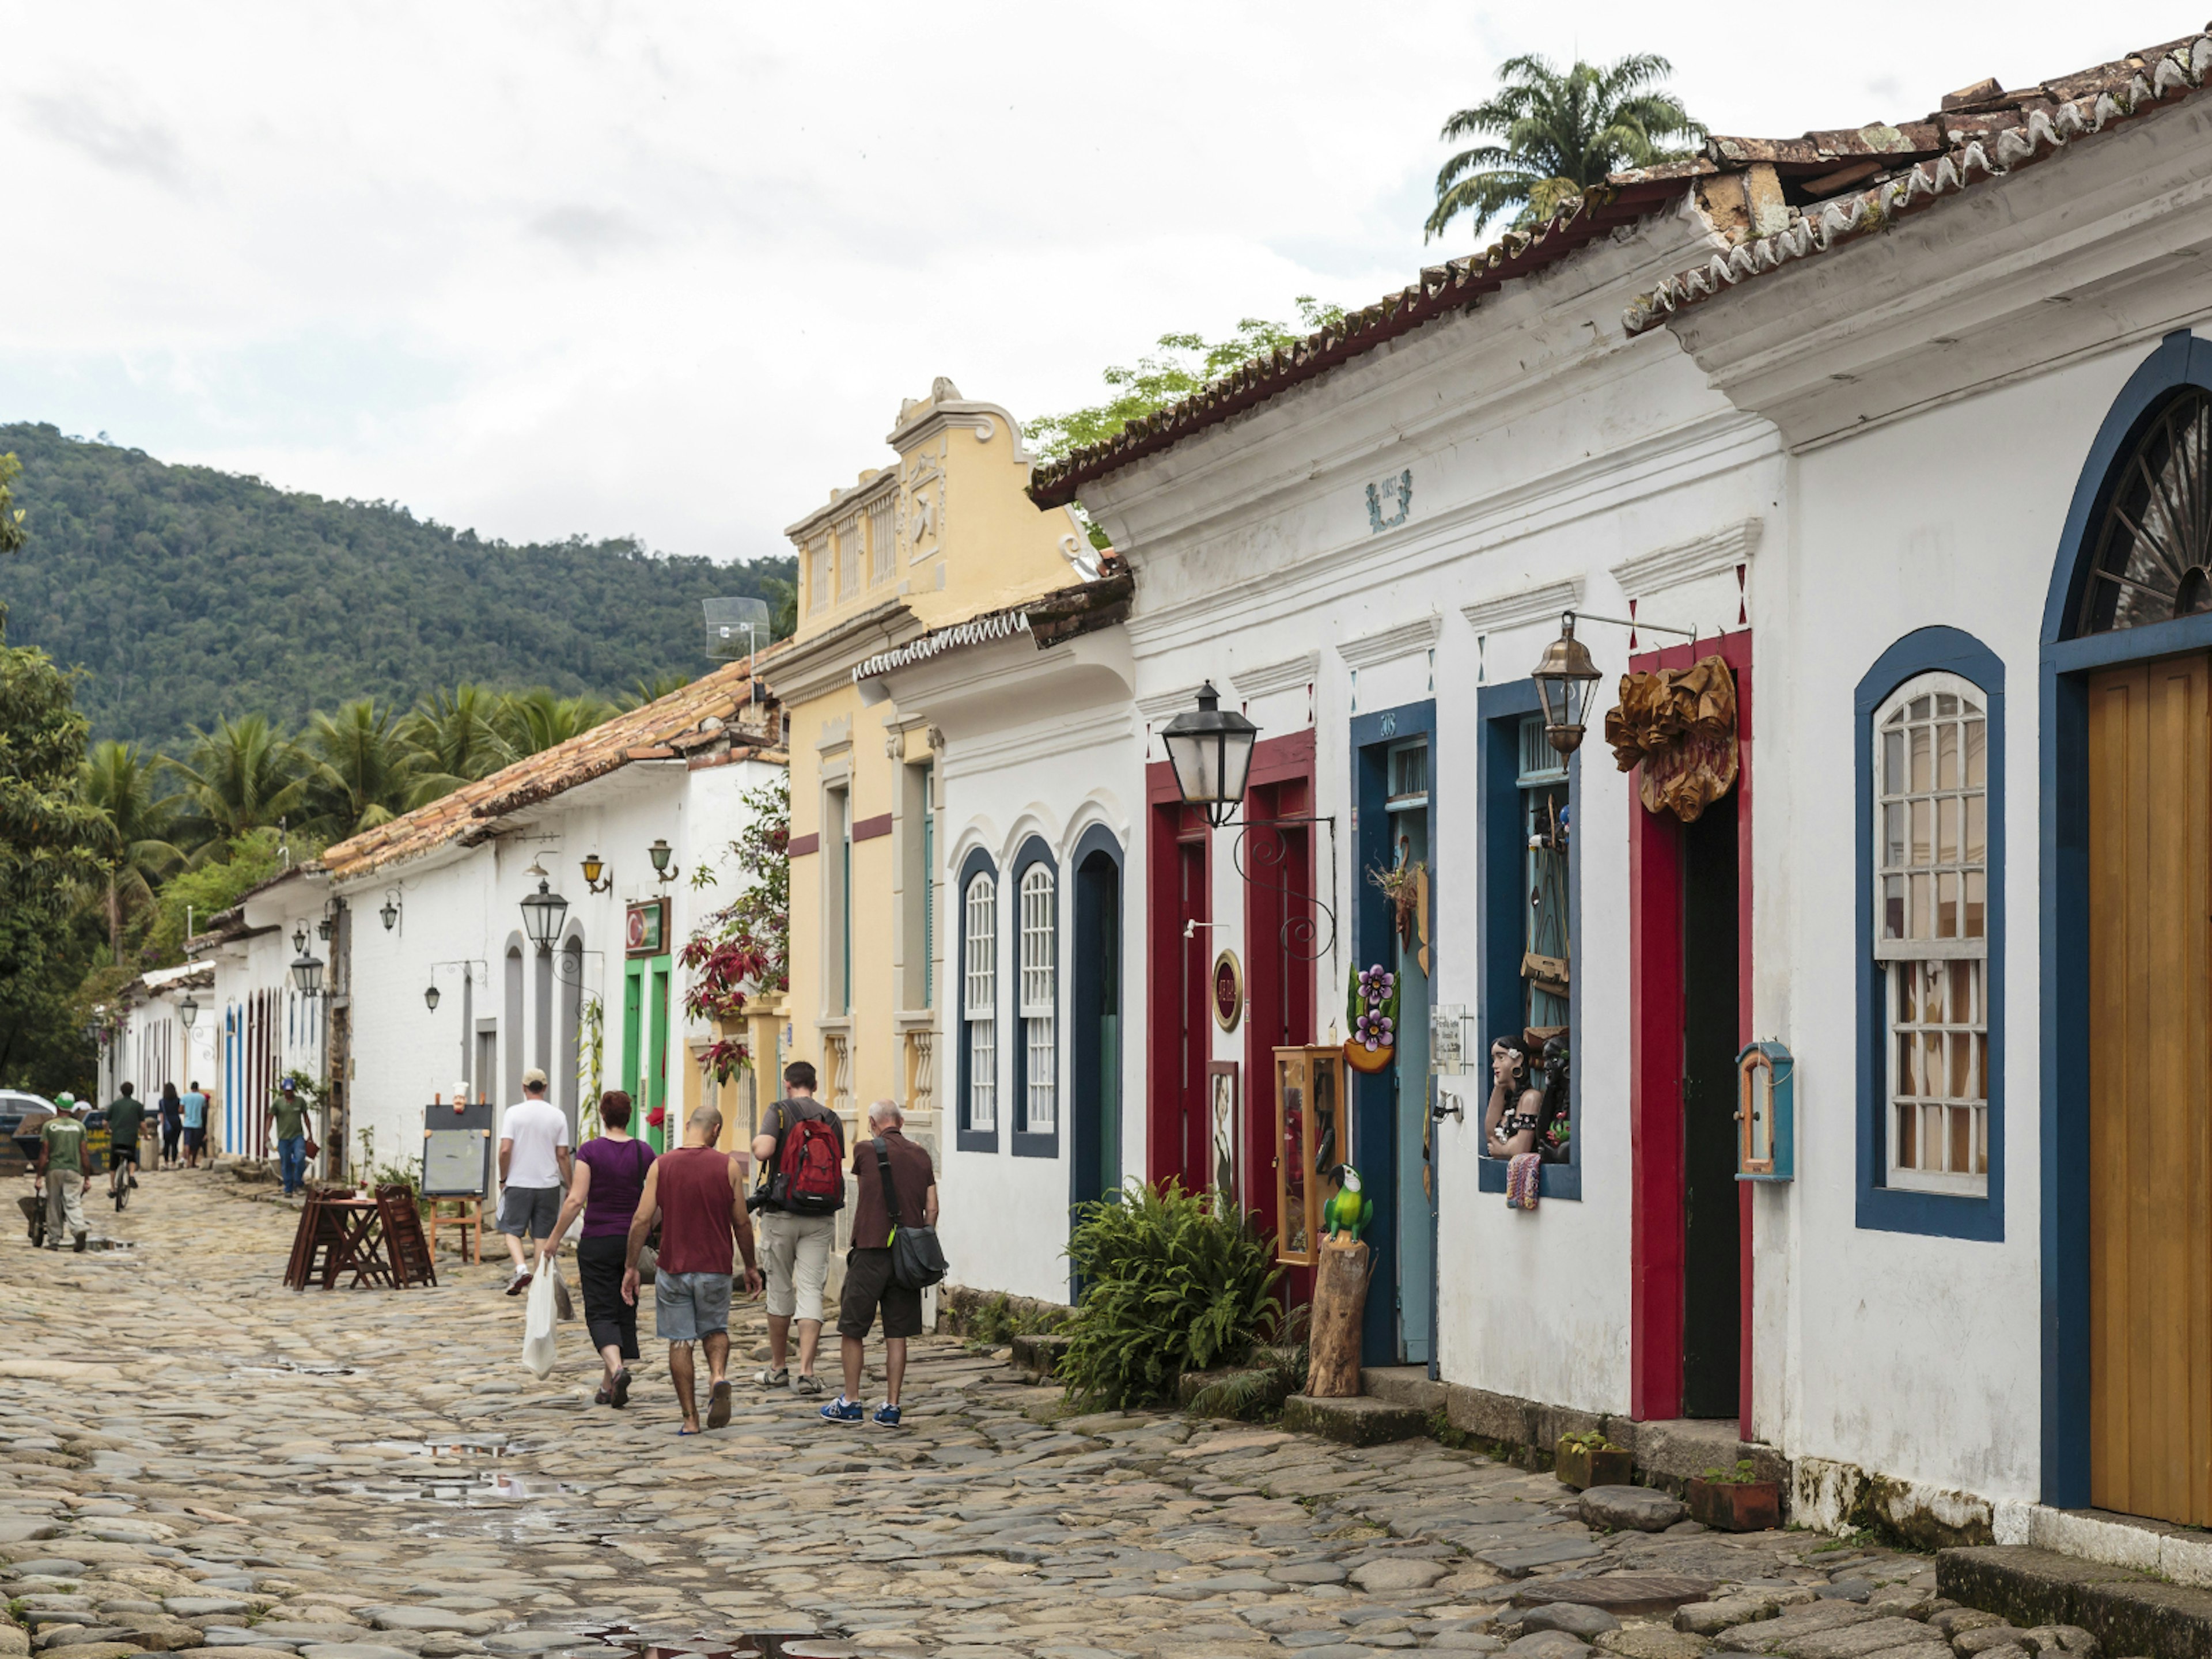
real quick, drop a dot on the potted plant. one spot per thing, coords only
(1735, 1500)
(1588, 1459)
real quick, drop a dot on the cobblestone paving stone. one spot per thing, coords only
(194, 1459)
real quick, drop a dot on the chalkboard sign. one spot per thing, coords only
(457, 1137)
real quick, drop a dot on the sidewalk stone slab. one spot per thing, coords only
(1634, 1509)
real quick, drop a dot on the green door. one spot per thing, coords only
(644, 1045)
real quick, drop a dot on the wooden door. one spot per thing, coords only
(2150, 1089)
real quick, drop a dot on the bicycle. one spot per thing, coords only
(121, 1178)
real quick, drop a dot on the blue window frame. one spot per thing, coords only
(975, 988)
(1881, 1205)
(1521, 795)
(1031, 908)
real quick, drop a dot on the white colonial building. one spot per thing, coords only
(1881, 420)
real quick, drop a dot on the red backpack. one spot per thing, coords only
(811, 1172)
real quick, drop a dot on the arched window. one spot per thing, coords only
(1931, 929)
(1039, 992)
(979, 995)
(2154, 546)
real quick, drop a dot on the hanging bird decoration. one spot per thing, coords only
(1348, 1210)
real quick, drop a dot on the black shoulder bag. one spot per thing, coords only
(917, 1259)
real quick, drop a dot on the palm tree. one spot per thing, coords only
(455, 738)
(535, 720)
(119, 781)
(1559, 135)
(245, 774)
(643, 691)
(360, 773)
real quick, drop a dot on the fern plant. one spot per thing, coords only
(1173, 1282)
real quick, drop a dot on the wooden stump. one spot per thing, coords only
(1340, 1299)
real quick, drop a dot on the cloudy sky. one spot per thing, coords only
(668, 269)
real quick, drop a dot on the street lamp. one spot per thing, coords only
(430, 997)
(1212, 754)
(1564, 677)
(543, 911)
(188, 1011)
(299, 939)
(658, 853)
(594, 867)
(307, 970)
(390, 912)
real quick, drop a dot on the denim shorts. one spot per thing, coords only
(689, 1306)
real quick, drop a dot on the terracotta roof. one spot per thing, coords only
(669, 729)
(1984, 132)
(1048, 619)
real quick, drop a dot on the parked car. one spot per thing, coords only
(20, 1116)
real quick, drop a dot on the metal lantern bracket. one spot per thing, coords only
(1303, 937)
(568, 975)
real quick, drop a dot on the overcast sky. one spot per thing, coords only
(668, 269)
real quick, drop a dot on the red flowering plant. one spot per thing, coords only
(746, 942)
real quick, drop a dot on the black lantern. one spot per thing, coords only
(1212, 754)
(188, 1011)
(594, 868)
(541, 913)
(658, 853)
(1564, 677)
(299, 939)
(307, 970)
(390, 912)
(430, 997)
(324, 928)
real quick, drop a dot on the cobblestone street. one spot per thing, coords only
(199, 1458)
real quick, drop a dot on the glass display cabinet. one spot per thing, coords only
(1312, 1143)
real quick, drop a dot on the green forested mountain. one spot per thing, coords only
(188, 593)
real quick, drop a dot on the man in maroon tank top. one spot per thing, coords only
(698, 1195)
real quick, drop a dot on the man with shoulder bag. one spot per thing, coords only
(801, 1151)
(895, 1257)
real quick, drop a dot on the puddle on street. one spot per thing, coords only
(793, 1641)
(458, 1446)
(291, 1368)
(467, 1492)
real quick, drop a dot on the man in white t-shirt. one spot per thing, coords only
(533, 1170)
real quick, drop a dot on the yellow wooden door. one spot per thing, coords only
(2150, 1089)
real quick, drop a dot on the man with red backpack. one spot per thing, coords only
(801, 1151)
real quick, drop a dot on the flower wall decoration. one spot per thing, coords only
(1371, 1013)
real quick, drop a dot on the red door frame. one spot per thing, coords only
(1281, 1007)
(1174, 1142)
(1654, 945)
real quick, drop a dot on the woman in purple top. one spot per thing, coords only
(610, 1179)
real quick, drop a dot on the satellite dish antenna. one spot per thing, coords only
(735, 628)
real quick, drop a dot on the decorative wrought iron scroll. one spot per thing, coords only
(2153, 559)
(1266, 862)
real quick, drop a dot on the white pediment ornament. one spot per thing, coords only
(1263, 679)
(1523, 606)
(1714, 554)
(1406, 640)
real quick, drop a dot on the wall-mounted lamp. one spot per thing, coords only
(430, 997)
(307, 970)
(187, 1011)
(390, 910)
(1212, 754)
(1565, 676)
(542, 910)
(594, 868)
(658, 852)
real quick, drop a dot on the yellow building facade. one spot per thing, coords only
(943, 535)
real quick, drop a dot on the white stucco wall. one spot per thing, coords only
(461, 907)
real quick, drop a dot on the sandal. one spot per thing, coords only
(808, 1384)
(604, 1397)
(621, 1389)
(718, 1407)
(768, 1379)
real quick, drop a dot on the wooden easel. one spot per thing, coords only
(465, 1217)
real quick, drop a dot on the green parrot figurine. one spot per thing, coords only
(1350, 1210)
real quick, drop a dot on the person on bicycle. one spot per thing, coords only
(126, 1115)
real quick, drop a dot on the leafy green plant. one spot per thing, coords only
(1258, 1391)
(1590, 1440)
(1173, 1282)
(1743, 1475)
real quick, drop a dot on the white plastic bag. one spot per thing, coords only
(537, 1326)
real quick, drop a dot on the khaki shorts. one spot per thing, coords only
(795, 1251)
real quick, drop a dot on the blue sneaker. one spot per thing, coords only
(886, 1414)
(841, 1410)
